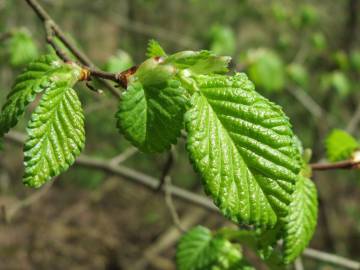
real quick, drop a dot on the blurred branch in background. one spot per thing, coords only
(83, 58)
(193, 198)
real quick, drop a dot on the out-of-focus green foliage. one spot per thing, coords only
(119, 62)
(340, 145)
(298, 74)
(338, 81)
(355, 60)
(266, 69)
(222, 40)
(22, 48)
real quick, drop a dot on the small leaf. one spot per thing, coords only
(36, 78)
(119, 62)
(340, 145)
(266, 70)
(319, 41)
(22, 48)
(298, 74)
(244, 149)
(222, 40)
(55, 132)
(198, 249)
(154, 49)
(151, 116)
(300, 224)
(152, 72)
(199, 62)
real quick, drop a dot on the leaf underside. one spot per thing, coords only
(301, 221)
(151, 117)
(56, 135)
(243, 147)
(26, 86)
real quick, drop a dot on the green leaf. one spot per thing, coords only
(199, 62)
(152, 72)
(154, 49)
(298, 74)
(266, 70)
(244, 149)
(55, 132)
(319, 41)
(340, 145)
(151, 116)
(355, 60)
(222, 40)
(198, 249)
(300, 224)
(37, 77)
(119, 62)
(22, 48)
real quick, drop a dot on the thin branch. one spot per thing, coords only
(298, 265)
(193, 198)
(166, 169)
(346, 164)
(307, 101)
(9, 213)
(129, 152)
(331, 258)
(50, 39)
(171, 206)
(45, 17)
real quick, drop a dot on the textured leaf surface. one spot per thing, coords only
(151, 117)
(198, 249)
(35, 79)
(340, 145)
(301, 221)
(244, 149)
(154, 49)
(56, 135)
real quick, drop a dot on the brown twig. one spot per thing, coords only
(171, 206)
(346, 164)
(166, 169)
(84, 60)
(193, 198)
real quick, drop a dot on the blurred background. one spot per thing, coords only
(303, 55)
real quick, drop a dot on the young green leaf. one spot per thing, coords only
(151, 115)
(199, 62)
(244, 149)
(266, 70)
(301, 222)
(198, 249)
(154, 49)
(340, 145)
(56, 130)
(22, 48)
(36, 78)
(223, 40)
(119, 62)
